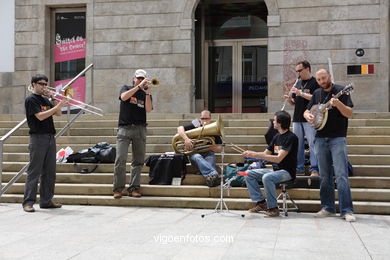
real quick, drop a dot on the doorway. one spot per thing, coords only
(231, 47)
(237, 76)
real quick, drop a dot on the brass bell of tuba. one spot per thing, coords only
(202, 138)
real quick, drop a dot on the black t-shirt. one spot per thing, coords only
(191, 126)
(166, 166)
(35, 104)
(132, 111)
(336, 124)
(308, 86)
(288, 142)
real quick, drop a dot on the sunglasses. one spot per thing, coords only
(140, 78)
(42, 83)
(297, 71)
(205, 118)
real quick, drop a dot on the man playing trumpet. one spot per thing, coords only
(42, 146)
(135, 101)
(205, 161)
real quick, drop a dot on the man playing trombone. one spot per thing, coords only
(135, 101)
(205, 161)
(42, 146)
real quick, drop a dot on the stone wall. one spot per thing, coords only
(157, 35)
(320, 29)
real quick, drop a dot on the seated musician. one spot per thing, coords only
(205, 161)
(282, 152)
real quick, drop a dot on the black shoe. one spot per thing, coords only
(213, 180)
(52, 205)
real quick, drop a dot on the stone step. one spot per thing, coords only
(174, 123)
(360, 207)
(190, 179)
(359, 170)
(368, 122)
(229, 158)
(150, 148)
(163, 139)
(171, 131)
(361, 194)
(162, 148)
(190, 116)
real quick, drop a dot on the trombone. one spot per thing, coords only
(74, 102)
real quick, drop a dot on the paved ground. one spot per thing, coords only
(90, 232)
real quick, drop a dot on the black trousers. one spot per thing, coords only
(42, 149)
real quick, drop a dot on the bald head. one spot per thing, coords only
(323, 78)
(205, 117)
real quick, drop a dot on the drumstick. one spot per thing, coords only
(236, 148)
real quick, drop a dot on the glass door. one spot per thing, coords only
(237, 77)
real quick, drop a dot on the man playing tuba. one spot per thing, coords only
(204, 161)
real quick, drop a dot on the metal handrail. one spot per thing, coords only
(20, 173)
(20, 124)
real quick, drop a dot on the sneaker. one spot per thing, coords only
(117, 195)
(260, 206)
(135, 193)
(323, 214)
(349, 217)
(274, 212)
(314, 174)
(28, 208)
(51, 205)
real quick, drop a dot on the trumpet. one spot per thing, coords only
(154, 82)
(50, 92)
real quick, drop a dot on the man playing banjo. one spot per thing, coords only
(330, 146)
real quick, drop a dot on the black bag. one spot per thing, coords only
(102, 152)
(83, 156)
(106, 152)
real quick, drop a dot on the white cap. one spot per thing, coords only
(140, 73)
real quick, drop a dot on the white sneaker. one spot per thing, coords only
(323, 214)
(349, 217)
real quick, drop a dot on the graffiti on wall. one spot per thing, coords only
(294, 51)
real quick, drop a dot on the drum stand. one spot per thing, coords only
(221, 206)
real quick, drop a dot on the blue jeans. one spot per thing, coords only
(333, 158)
(269, 178)
(302, 129)
(205, 162)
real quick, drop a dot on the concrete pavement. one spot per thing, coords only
(92, 232)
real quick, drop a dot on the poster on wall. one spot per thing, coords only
(69, 53)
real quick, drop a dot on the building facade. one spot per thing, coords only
(225, 55)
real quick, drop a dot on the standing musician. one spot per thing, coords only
(42, 146)
(282, 152)
(205, 161)
(331, 148)
(135, 101)
(301, 95)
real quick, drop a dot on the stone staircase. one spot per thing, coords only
(368, 144)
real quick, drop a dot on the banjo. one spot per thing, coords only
(320, 111)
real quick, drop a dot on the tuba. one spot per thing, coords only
(202, 137)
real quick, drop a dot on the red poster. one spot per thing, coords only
(69, 52)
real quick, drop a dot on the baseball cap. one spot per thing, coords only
(140, 73)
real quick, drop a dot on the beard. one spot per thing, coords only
(327, 85)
